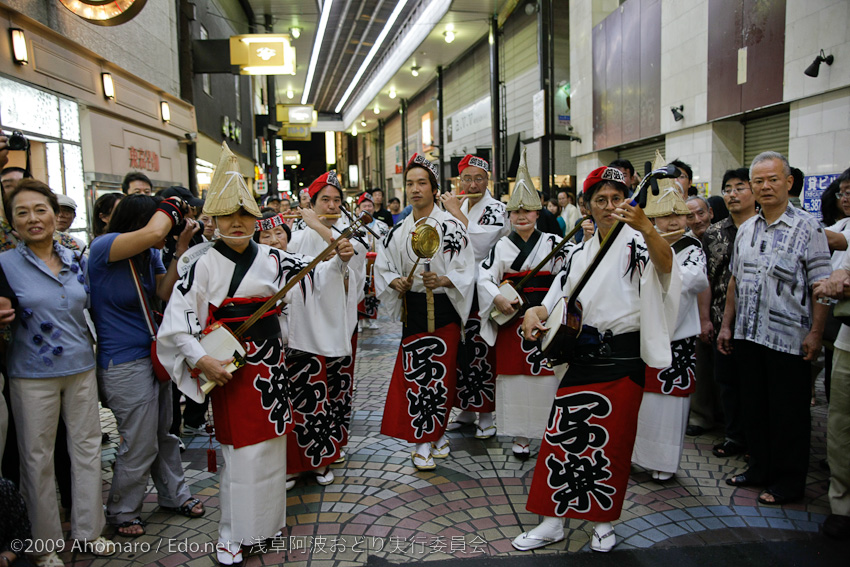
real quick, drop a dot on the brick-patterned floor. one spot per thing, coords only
(472, 505)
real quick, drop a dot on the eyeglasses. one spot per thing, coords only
(840, 196)
(602, 202)
(734, 190)
(477, 179)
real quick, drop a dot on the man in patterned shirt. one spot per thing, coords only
(718, 241)
(778, 255)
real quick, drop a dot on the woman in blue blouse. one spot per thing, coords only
(51, 365)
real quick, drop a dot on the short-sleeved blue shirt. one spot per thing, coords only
(49, 334)
(122, 334)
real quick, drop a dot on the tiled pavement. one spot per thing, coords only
(471, 506)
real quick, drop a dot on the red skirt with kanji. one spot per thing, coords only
(583, 467)
(423, 383)
(476, 368)
(254, 406)
(321, 391)
(518, 355)
(678, 379)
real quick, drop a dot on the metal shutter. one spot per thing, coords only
(765, 134)
(643, 153)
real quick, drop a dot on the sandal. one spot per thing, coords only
(603, 543)
(187, 509)
(775, 498)
(130, 524)
(727, 449)
(526, 541)
(100, 547)
(423, 463)
(741, 480)
(442, 451)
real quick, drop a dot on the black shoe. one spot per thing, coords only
(836, 527)
(694, 430)
(104, 439)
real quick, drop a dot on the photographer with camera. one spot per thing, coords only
(136, 233)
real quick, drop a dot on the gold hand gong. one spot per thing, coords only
(425, 242)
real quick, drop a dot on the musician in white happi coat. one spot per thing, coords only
(422, 387)
(629, 304)
(327, 345)
(252, 408)
(367, 309)
(663, 413)
(486, 221)
(525, 385)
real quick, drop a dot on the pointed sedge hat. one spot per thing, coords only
(524, 195)
(228, 191)
(669, 200)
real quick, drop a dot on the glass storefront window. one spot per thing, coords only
(29, 109)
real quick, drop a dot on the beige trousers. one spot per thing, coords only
(838, 434)
(37, 404)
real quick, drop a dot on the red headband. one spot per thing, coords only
(474, 161)
(328, 178)
(419, 159)
(271, 222)
(603, 174)
(364, 197)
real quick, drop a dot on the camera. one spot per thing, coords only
(18, 142)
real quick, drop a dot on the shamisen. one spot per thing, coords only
(252, 410)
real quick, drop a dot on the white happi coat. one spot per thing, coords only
(328, 333)
(488, 222)
(497, 265)
(454, 260)
(621, 304)
(692, 267)
(208, 282)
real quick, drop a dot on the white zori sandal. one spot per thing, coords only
(603, 539)
(550, 530)
(441, 448)
(422, 458)
(228, 553)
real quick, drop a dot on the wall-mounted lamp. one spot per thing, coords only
(165, 110)
(295, 32)
(813, 69)
(108, 86)
(19, 46)
(393, 94)
(677, 112)
(415, 70)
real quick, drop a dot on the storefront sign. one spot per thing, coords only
(813, 188)
(471, 119)
(144, 159)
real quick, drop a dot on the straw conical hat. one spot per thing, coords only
(524, 195)
(669, 200)
(228, 191)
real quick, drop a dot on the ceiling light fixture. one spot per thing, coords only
(354, 131)
(317, 46)
(290, 94)
(813, 69)
(377, 109)
(422, 22)
(449, 36)
(393, 94)
(295, 32)
(363, 122)
(372, 52)
(415, 70)
(677, 112)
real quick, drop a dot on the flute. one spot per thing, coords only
(679, 232)
(298, 216)
(467, 195)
